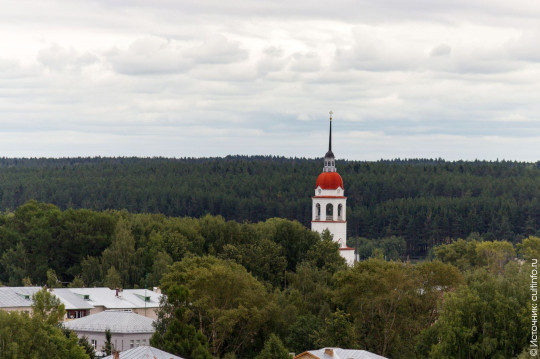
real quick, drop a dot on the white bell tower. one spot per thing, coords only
(329, 203)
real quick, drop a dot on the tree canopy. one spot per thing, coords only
(424, 202)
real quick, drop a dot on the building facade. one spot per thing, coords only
(128, 330)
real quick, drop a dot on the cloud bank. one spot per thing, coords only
(451, 79)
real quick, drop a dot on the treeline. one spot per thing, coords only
(242, 290)
(425, 202)
(41, 244)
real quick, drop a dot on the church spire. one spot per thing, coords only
(330, 138)
(329, 159)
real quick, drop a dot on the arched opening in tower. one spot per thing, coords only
(329, 212)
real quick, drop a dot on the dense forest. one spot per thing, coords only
(251, 290)
(228, 241)
(424, 202)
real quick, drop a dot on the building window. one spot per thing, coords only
(132, 343)
(138, 342)
(94, 344)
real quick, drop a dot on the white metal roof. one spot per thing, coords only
(71, 300)
(104, 297)
(13, 297)
(83, 298)
(142, 297)
(117, 321)
(145, 352)
(343, 354)
(87, 298)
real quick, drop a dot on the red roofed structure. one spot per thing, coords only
(329, 180)
(330, 204)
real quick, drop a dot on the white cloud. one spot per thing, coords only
(58, 58)
(309, 62)
(217, 49)
(149, 55)
(415, 79)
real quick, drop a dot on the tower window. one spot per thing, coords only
(329, 212)
(340, 212)
(318, 211)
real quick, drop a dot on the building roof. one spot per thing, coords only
(83, 298)
(117, 321)
(104, 297)
(338, 353)
(71, 300)
(329, 180)
(145, 352)
(142, 298)
(88, 298)
(13, 297)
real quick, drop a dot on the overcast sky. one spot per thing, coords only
(454, 79)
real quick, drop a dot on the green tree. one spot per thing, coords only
(77, 282)
(302, 333)
(162, 261)
(494, 255)
(91, 273)
(312, 286)
(15, 262)
(273, 349)
(113, 278)
(338, 331)
(487, 318)
(108, 346)
(88, 348)
(461, 254)
(52, 279)
(47, 307)
(121, 254)
(325, 255)
(529, 248)
(173, 332)
(22, 336)
(390, 303)
(228, 304)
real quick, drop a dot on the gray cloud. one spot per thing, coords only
(441, 50)
(453, 79)
(309, 62)
(157, 55)
(58, 58)
(149, 55)
(217, 49)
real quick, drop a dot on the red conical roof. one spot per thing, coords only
(329, 180)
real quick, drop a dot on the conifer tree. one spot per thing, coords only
(273, 349)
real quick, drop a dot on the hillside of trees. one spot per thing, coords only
(423, 202)
(251, 290)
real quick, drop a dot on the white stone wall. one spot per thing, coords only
(120, 341)
(149, 312)
(337, 225)
(338, 229)
(323, 202)
(349, 256)
(329, 192)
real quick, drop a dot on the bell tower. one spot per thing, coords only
(329, 204)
